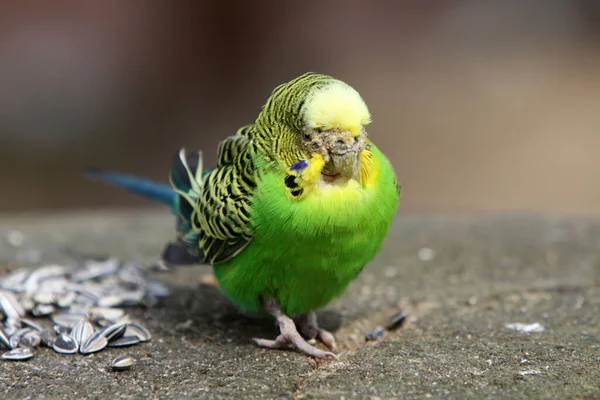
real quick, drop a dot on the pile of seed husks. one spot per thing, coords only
(74, 309)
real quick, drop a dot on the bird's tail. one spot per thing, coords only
(157, 191)
(181, 196)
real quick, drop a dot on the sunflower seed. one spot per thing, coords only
(42, 310)
(114, 331)
(65, 299)
(374, 333)
(27, 303)
(79, 308)
(68, 319)
(130, 273)
(14, 280)
(17, 336)
(396, 321)
(121, 363)
(124, 341)
(18, 354)
(31, 324)
(132, 297)
(34, 279)
(4, 339)
(55, 285)
(11, 326)
(102, 323)
(83, 301)
(88, 297)
(44, 297)
(134, 329)
(82, 332)
(61, 330)
(96, 342)
(108, 314)
(30, 339)
(65, 344)
(95, 269)
(110, 301)
(47, 337)
(10, 305)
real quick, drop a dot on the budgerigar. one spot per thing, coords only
(298, 203)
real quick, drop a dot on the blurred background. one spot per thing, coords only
(480, 105)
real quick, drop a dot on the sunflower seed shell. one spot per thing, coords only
(18, 354)
(121, 363)
(95, 343)
(124, 341)
(64, 344)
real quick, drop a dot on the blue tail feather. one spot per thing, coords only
(157, 191)
(181, 195)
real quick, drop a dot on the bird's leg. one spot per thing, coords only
(309, 327)
(289, 334)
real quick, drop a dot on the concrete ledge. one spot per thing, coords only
(460, 280)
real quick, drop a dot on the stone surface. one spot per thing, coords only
(459, 279)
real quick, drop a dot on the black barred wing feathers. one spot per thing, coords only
(222, 217)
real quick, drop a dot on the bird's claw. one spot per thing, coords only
(290, 337)
(327, 339)
(308, 326)
(284, 341)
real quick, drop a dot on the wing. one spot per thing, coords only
(222, 217)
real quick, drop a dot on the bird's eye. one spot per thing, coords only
(306, 136)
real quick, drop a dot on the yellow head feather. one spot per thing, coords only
(336, 105)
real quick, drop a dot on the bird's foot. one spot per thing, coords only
(290, 337)
(309, 327)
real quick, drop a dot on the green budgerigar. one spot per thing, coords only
(298, 203)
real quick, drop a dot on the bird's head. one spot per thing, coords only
(323, 120)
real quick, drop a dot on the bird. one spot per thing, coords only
(298, 203)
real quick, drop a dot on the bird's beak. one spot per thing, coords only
(343, 149)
